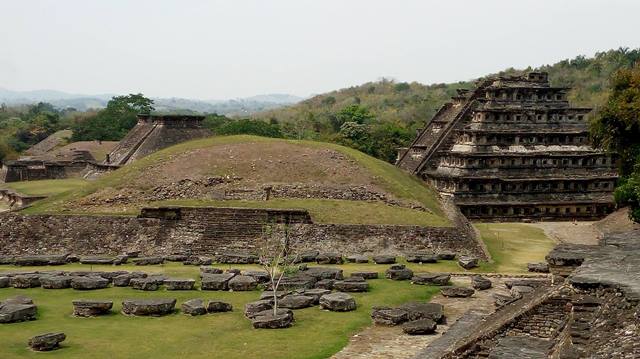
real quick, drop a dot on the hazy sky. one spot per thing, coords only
(236, 48)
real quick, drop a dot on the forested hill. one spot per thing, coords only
(403, 107)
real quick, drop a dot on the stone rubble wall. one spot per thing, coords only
(215, 230)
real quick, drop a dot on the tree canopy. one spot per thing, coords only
(113, 122)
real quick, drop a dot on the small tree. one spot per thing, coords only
(276, 255)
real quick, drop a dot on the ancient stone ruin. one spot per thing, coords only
(155, 132)
(513, 149)
(33, 168)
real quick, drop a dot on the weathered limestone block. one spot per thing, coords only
(259, 276)
(25, 281)
(7, 259)
(96, 260)
(268, 294)
(12, 311)
(242, 283)
(4, 282)
(194, 307)
(329, 258)
(198, 261)
(146, 284)
(502, 300)
(216, 281)
(419, 327)
(158, 278)
(144, 307)
(147, 261)
(365, 275)
(176, 258)
(324, 273)
(295, 301)
(179, 284)
(416, 311)
(297, 281)
(480, 283)
(422, 258)
(538, 267)
(55, 282)
(357, 259)
(91, 308)
(389, 316)
(218, 306)
(210, 270)
(446, 256)
(111, 275)
(457, 292)
(338, 302)
(40, 260)
(267, 320)
(251, 309)
(533, 283)
(354, 284)
(121, 259)
(399, 272)
(46, 342)
(236, 258)
(315, 293)
(467, 262)
(384, 259)
(518, 291)
(124, 280)
(89, 283)
(308, 257)
(325, 284)
(431, 278)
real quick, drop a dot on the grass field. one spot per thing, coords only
(315, 334)
(46, 187)
(513, 245)
(382, 174)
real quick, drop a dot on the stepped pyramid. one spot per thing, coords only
(514, 149)
(153, 133)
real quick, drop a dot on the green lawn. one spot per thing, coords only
(315, 334)
(46, 187)
(513, 245)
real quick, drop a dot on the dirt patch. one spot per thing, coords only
(570, 232)
(257, 163)
(97, 149)
(381, 342)
(617, 222)
(588, 232)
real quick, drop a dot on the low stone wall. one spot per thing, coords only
(210, 231)
(15, 200)
(33, 170)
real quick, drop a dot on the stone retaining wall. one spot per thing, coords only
(214, 230)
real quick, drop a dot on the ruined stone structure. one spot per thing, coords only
(512, 149)
(593, 313)
(15, 201)
(155, 132)
(45, 167)
(206, 231)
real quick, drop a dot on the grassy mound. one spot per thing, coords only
(254, 162)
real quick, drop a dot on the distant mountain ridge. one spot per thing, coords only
(231, 107)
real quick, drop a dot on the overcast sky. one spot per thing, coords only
(237, 48)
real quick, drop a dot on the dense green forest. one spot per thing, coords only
(617, 128)
(375, 117)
